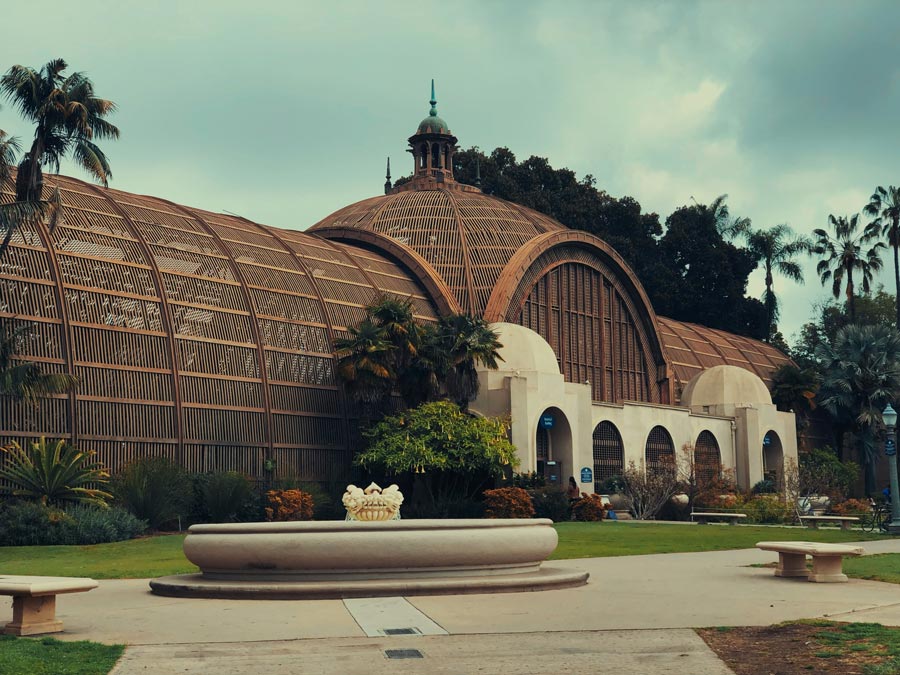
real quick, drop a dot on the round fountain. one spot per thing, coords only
(363, 557)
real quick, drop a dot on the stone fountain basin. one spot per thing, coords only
(362, 559)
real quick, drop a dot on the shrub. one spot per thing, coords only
(155, 489)
(34, 524)
(768, 510)
(647, 491)
(30, 524)
(822, 473)
(326, 507)
(224, 496)
(589, 508)
(86, 524)
(508, 502)
(764, 487)
(529, 480)
(289, 505)
(54, 472)
(852, 507)
(550, 502)
(612, 485)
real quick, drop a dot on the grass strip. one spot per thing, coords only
(46, 656)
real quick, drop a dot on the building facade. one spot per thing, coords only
(207, 338)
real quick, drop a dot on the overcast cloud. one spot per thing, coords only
(284, 112)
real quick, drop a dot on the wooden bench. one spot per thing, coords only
(845, 521)
(827, 559)
(704, 517)
(34, 601)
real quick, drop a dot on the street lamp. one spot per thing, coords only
(889, 415)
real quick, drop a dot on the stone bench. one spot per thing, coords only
(704, 517)
(34, 601)
(827, 559)
(844, 521)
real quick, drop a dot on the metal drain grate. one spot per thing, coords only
(403, 654)
(400, 631)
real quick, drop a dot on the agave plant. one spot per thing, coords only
(53, 472)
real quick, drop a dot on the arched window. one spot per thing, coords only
(659, 451)
(609, 454)
(707, 458)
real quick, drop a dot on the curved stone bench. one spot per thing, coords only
(827, 559)
(335, 559)
(34, 601)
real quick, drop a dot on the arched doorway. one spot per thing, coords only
(609, 453)
(773, 458)
(707, 458)
(659, 451)
(554, 447)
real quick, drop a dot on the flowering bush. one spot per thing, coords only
(589, 508)
(768, 509)
(289, 505)
(852, 507)
(510, 502)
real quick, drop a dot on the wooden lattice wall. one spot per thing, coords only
(198, 336)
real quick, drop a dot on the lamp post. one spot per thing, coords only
(889, 415)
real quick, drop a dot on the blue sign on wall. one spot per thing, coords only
(587, 476)
(890, 447)
(547, 421)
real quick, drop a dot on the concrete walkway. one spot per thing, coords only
(616, 619)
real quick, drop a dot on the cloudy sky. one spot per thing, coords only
(285, 111)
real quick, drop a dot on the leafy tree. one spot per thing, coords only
(884, 205)
(794, 390)
(467, 341)
(842, 254)
(822, 473)
(54, 472)
(776, 249)
(862, 375)
(25, 380)
(456, 452)
(700, 277)
(68, 118)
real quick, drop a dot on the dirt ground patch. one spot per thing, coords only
(801, 648)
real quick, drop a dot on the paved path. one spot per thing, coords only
(616, 618)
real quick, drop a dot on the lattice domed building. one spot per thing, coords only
(207, 338)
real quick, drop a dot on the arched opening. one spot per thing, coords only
(436, 156)
(707, 458)
(773, 458)
(609, 453)
(554, 447)
(659, 451)
(423, 156)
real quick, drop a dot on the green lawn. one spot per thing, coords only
(162, 555)
(884, 567)
(134, 559)
(46, 656)
(597, 540)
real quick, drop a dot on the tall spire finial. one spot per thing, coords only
(387, 181)
(433, 101)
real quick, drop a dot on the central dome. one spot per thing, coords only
(468, 237)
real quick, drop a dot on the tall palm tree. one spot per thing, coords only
(365, 364)
(24, 380)
(467, 341)
(884, 205)
(862, 375)
(776, 249)
(730, 227)
(843, 254)
(68, 118)
(395, 318)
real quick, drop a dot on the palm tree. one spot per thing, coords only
(862, 375)
(395, 318)
(365, 364)
(842, 255)
(776, 249)
(68, 118)
(467, 341)
(24, 380)
(884, 205)
(730, 227)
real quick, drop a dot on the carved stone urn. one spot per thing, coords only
(373, 503)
